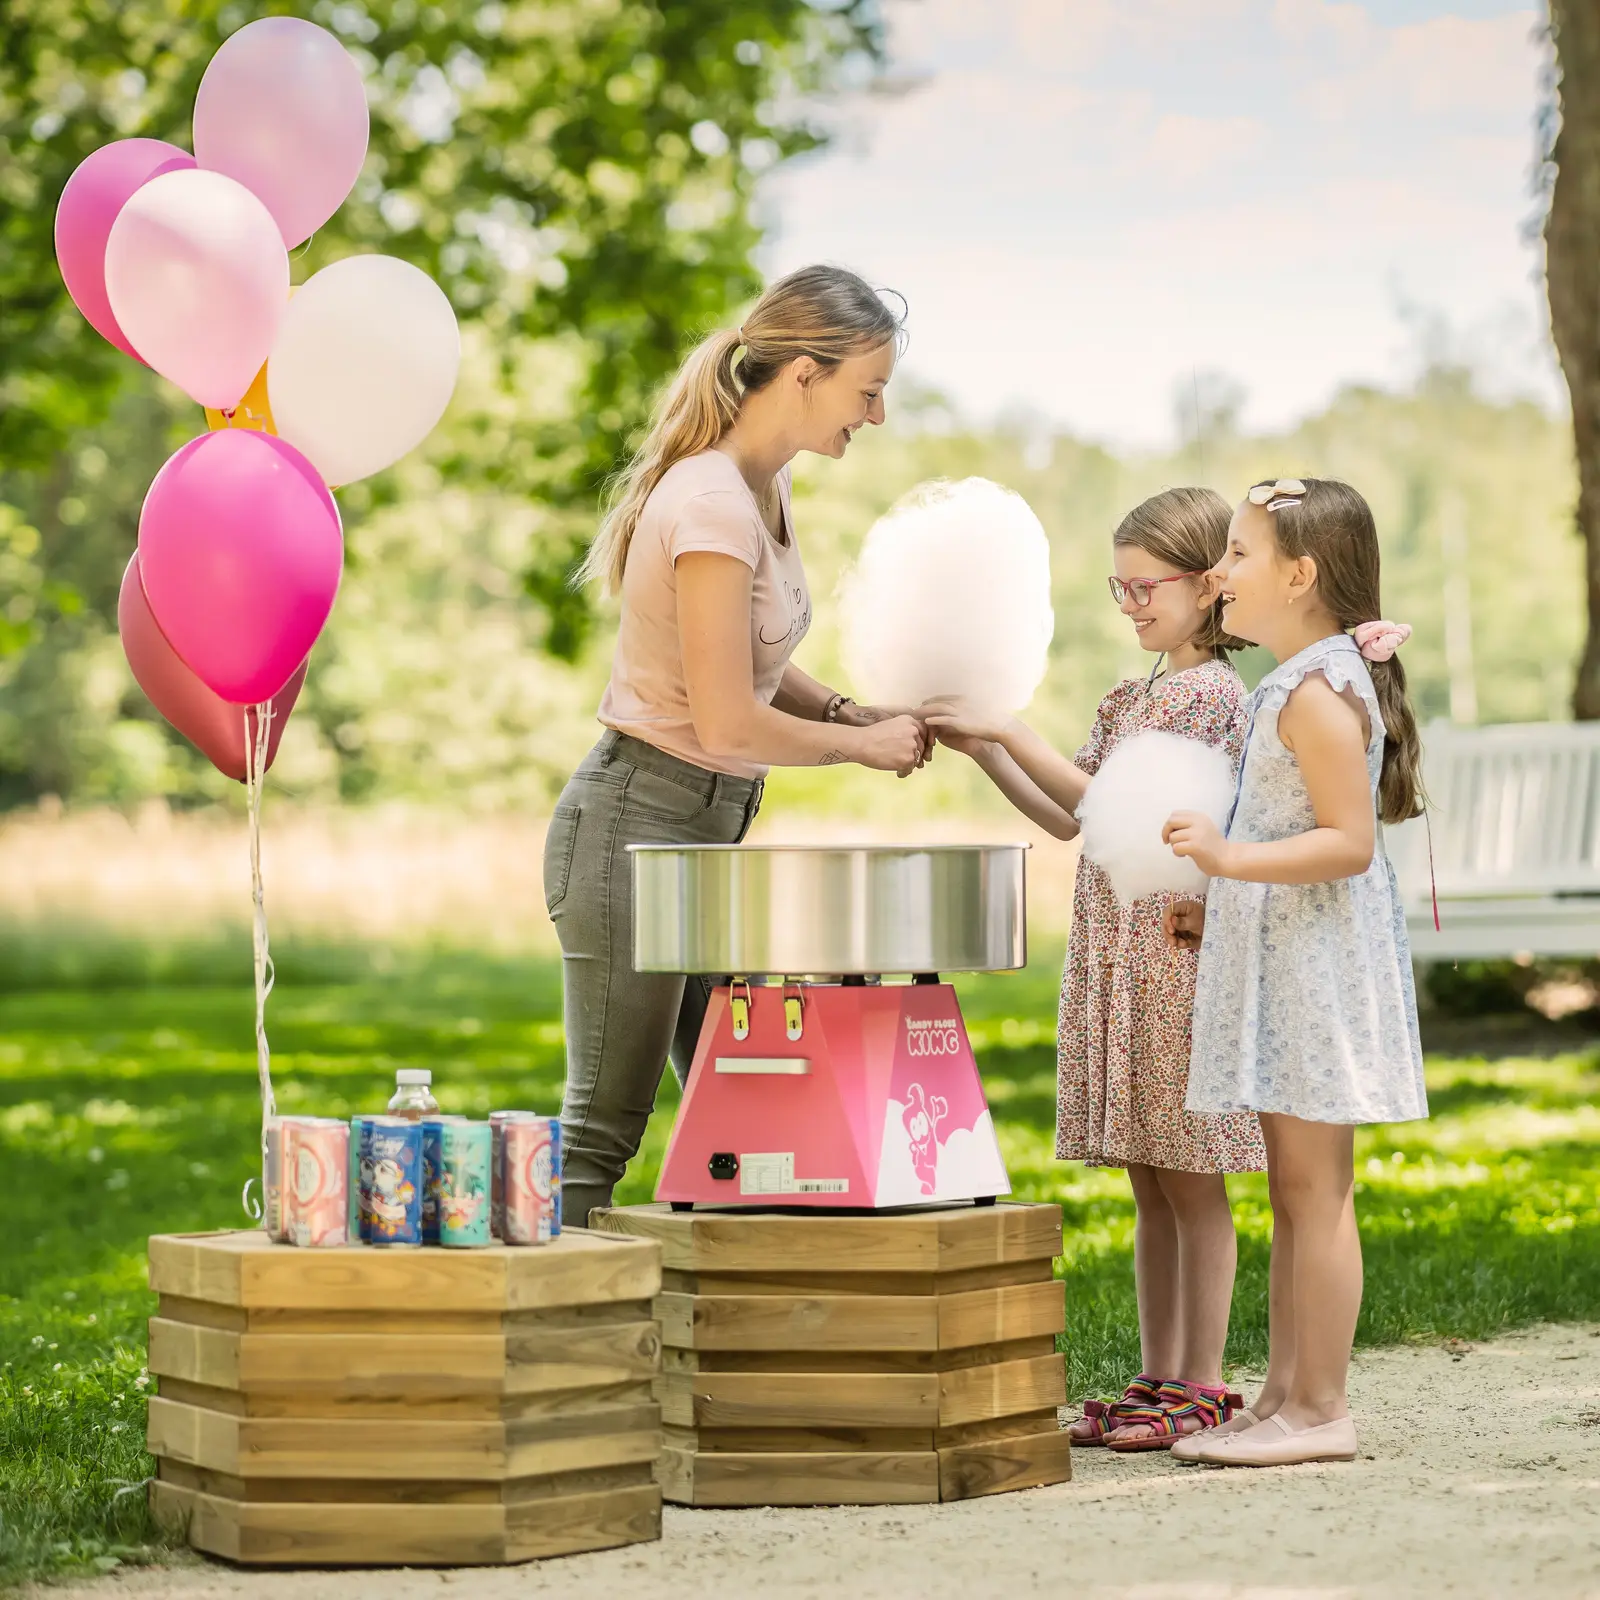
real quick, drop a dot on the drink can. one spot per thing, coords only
(497, 1166)
(272, 1180)
(532, 1154)
(432, 1161)
(465, 1149)
(357, 1226)
(391, 1181)
(315, 1184)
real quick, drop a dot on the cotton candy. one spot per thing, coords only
(951, 596)
(1138, 787)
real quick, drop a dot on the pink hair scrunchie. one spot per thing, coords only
(1378, 641)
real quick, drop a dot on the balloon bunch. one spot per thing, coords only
(183, 262)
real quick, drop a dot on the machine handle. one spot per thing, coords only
(766, 1066)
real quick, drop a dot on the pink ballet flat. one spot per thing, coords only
(1188, 1447)
(1274, 1443)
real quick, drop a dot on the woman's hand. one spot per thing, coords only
(851, 715)
(1184, 923)
(1193, 835)
(895, 745)
(952, 718)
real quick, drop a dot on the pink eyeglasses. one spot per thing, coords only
(1140, 588)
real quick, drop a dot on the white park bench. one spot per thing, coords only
(1516, 842)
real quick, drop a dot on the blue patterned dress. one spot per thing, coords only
(1304, 1000)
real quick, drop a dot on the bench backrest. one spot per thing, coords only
(1515, 811)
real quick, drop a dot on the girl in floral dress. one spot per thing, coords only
(1126, 994)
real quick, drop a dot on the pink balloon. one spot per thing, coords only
(213, 726)
(241, 550)
(199, 281)
(95, 193)
(283, 110)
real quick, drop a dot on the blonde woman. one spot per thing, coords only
(704, 697)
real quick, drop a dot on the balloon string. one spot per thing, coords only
(257, 739)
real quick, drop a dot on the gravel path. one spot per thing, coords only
(1480, 1476)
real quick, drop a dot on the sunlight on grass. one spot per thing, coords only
(133, 1110)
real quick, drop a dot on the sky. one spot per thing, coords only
(1088, 203)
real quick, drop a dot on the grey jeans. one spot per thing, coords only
(621, 1025)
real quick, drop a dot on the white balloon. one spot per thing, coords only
(198, 280)
(364, 367)
(1139, 785)
(951, 596)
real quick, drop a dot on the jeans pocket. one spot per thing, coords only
(559, 842)
(651, 795)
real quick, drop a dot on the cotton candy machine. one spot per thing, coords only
(833, 1068)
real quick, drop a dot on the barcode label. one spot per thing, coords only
(821, 1186)
(772, 1172)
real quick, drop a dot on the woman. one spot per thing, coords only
(703, 696)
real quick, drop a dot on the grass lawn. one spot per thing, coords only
(128, 1107)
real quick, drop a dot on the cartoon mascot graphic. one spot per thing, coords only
(923, 1114)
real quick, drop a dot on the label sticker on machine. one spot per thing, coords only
(772, 1172)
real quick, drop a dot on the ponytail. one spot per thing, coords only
(1400, 795)
(822, 312)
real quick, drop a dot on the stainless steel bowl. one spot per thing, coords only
(845, 910)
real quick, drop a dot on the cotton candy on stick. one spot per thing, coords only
(951, 596)
(1138, 787)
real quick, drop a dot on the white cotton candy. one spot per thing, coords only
(1139, 785)
(951, 596)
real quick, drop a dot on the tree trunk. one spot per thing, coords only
(1572, 272)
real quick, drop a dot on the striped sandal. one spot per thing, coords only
(1181, 1409)
(1101, 1417)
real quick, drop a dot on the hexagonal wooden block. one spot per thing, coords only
(405, 1407)
(816, 1359)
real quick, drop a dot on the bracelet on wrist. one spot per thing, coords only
(835, 706)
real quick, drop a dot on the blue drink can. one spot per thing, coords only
(432, 1165)
(464, 1184)
(358, 1217)
(391, 1181)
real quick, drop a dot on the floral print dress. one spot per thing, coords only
(1126, 995)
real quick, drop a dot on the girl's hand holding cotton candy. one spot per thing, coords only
(1195, 837)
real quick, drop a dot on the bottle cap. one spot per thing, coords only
(413, 1075)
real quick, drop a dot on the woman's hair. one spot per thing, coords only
(823, 312)
(1186, 529)
(1333, 525)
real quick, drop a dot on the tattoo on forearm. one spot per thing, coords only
(832, 758)
(869, 715)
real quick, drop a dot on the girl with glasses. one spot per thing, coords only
(1126, 995)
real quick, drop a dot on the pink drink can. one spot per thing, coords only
(531, 1150)
(316, 1177)
(497, 1166)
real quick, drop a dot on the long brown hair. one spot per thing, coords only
(1186, 529)
(1333, 525)
(823, 312)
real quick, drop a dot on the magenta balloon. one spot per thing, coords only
(241, 550)
(282, 109)
(213, 726)
(95, 193)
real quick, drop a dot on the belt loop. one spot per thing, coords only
(717, 781)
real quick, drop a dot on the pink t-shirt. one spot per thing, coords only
(701, 503)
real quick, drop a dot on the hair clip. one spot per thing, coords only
(1275, 496)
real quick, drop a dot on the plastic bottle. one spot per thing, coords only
(413, 1096)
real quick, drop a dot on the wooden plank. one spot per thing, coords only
(805, 1478)
(772, 1280)
(178, 1308)
(336, 1533)
(799, 1323)
(674, 1359)
(747, 1441)
(989, 1234)
(570, 1523)
(194, 1353)
(1043, 1421)
(751, 1241)
(375, 1281)
(976, 1394)
(202, 1266)
(582, 1357)
(1001, 1465)
(580, 1268)
(996, 1316)
(291, 1319)
(799, 1400)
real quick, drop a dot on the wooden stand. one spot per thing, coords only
(404, 1407)
(818, 1359)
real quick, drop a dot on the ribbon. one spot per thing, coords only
(257, 740)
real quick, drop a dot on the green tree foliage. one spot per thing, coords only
(577, 174)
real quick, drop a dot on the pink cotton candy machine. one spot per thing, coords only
(833, 1068)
